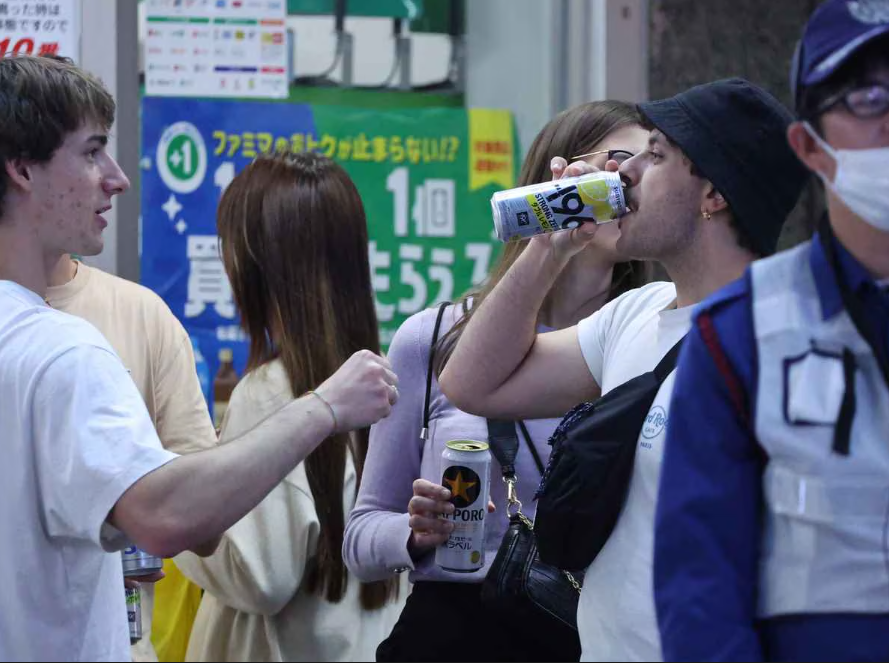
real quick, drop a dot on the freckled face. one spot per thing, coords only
(73, 189)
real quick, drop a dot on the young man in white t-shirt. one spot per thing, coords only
(83, 471)
(157, 353)
(709, 195)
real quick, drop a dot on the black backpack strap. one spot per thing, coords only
(424, 433)
(668, 363)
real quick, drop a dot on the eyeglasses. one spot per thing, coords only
(613, 155)
(864, 102)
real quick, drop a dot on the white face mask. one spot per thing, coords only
(861, 182)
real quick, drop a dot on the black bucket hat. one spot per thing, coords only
(735, 133)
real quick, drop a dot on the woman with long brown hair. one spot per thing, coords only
(395, 525)
(295, 247)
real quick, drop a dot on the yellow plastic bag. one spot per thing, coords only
(176, 601)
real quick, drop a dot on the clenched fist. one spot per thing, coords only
(361, 392)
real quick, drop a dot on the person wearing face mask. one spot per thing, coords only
(772, 534)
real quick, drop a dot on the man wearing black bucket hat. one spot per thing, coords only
(708, 196)
(772, 538)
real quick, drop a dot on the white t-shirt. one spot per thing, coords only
(75, 436)
(616, 617)
(156, 351)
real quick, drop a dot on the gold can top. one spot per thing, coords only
(467, 445)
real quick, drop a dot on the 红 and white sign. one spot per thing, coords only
(47, 27)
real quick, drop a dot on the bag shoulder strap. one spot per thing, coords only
(668, 363)
(736, 391)
(534, 453)
(504, 445)
(424, 433)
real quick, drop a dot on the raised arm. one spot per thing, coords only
(194, 498)
(501, 368)
(376, 539)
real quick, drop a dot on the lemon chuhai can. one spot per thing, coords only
(134, 613)
(466, 472)
(137, 562)
(558, 205)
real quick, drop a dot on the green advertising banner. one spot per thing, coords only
(426, 177)
(427, 193)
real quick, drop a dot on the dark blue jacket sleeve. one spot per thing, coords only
(708, 518)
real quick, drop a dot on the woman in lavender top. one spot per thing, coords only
(394, 526)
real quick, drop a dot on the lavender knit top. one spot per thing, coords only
(375, 542)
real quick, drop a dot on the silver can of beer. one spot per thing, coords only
(558, 205)
(134, 613)
(465, 471)
(140, 563)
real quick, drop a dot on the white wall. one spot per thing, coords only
(108, 30)
(538, 57)
(620, 63)
(514, 57)
(374, 50)
(99, 19)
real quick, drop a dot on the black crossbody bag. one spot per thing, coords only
(586, 481)
(519, 583)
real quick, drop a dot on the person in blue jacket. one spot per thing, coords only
(772, 535)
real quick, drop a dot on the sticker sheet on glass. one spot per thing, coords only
(216, 48)
(47, 27)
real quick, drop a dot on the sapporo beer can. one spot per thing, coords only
(465, 471)
(134, 613)
(140, 563)
(558, 205)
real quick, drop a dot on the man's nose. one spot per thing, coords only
(630, 172)
(116, 180)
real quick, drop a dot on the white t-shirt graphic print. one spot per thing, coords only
(616, 617)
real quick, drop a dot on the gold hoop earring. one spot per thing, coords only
(707, 215)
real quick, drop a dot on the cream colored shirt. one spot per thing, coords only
(255, 607)
(156, 350)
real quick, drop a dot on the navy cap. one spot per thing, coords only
(735, 134)
(836, 31)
